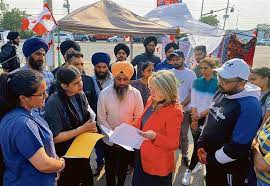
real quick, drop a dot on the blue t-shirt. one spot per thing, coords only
(164, 65)
(21, 136)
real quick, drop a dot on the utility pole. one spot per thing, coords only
(237, 20)
(226, 16)
(202, 8)
(67, 6)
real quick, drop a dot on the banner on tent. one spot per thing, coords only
(167, 2)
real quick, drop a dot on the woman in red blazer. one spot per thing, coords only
(160, 125)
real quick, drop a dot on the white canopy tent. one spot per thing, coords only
(178, 15)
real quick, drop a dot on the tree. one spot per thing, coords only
(210, 20)
(11, 20)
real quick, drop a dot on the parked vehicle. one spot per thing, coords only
(80, 37)
(264, 42)
(116, 39)
(101, 36)
(91, 38)
(63, 37)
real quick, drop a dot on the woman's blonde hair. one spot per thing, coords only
(210, 62)
(166, 83)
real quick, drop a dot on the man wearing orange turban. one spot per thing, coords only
(122, 67)
(117, 104)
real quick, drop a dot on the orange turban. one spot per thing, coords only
(122, 67)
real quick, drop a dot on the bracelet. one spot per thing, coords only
(62, 168)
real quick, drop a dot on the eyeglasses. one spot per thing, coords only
(227, 80)
(42, 96)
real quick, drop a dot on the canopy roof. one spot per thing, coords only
(106, 16)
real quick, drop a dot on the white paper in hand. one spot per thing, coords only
(127, 135)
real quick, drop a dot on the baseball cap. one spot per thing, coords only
(234, 68)
(178, 53)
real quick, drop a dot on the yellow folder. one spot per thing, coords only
(83, 145)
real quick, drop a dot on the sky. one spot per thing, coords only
(249, 12)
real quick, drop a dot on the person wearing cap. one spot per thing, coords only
(102, 79)
(200, 54)
(232, 122)
(8, 56)
(186, 78)
(150, 44)
(119, 103)
(167, 64)
(65, 47)
(121, 52)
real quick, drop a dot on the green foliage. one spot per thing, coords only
(263, 27)
(11, 20)
(210, 20)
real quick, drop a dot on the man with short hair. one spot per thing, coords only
(150, 44)
(75, 59)
(200, 54)
(233, 120)
(185, 78)
(121, 52)
(167, 64)
(8, 56)
(117, 104)
(65, 47)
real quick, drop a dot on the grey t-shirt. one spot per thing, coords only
(266, 105)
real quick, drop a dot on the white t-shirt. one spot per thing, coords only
(185, 78)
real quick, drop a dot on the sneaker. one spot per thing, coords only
(185, 160)
(197, 168)
(187, 177)
(98, 170)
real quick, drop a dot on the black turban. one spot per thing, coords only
(149, 40)
(171, 45)
(121, 46)
(12, 35)
(69, 44)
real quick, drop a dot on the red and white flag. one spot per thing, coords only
(41, 24)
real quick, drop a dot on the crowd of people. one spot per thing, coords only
(227, 108)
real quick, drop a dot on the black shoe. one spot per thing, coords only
(185, 160)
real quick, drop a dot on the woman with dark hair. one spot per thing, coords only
(142, 83)
(26, 141)
(261, 78)
(68, 115)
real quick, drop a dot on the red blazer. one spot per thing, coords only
(158, 156)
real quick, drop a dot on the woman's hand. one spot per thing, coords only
(202, 155)
(150, 135)
(89, 126)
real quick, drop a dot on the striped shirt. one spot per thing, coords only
(263, 138)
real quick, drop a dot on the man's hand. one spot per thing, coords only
(202, 155)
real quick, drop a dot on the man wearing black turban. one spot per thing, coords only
(166, 64)
(8, 57)
(121, 52)
(150, 44)
(66, 47)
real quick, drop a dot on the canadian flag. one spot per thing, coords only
(41, 24)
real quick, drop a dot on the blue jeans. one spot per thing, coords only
(261, 183)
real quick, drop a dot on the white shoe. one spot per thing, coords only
(197, 168)
(187, 177)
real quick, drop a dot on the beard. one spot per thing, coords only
(101, 75)
(231, 92)
(36, 65)
(15, 43)
(149, 52)
(121, 91)
(121, 58)
(178, 66)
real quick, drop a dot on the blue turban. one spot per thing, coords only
(101, 57)
(32, 45)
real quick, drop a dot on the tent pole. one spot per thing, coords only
(131, 48)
